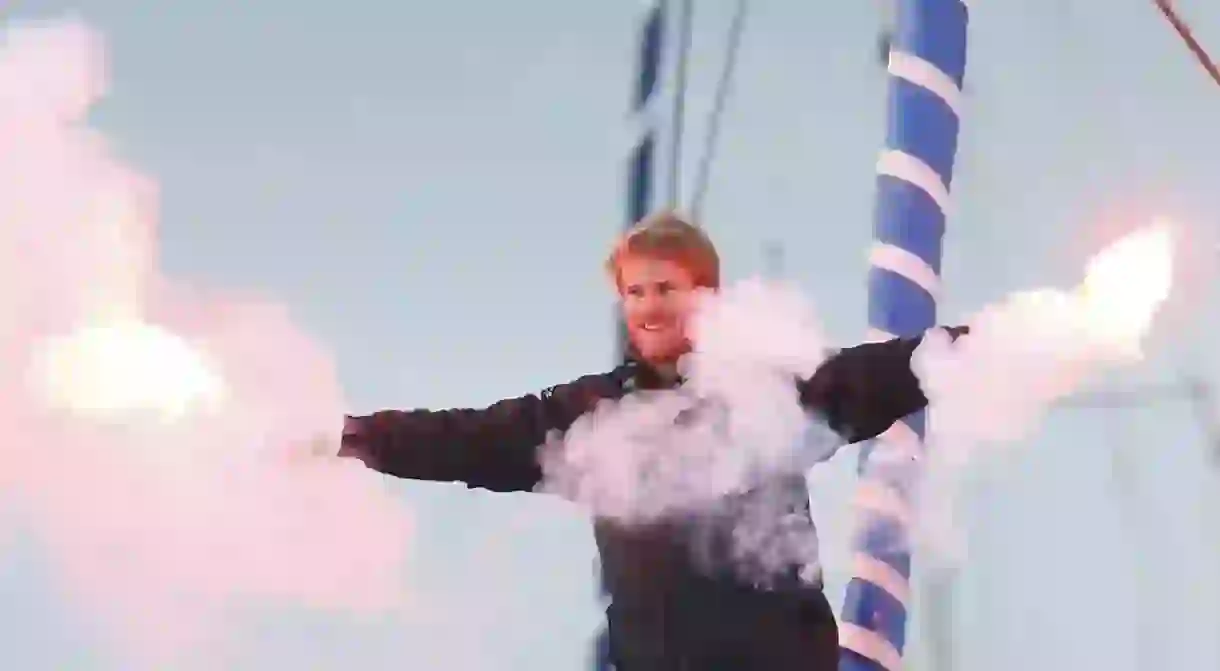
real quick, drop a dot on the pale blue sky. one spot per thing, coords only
(431, 186)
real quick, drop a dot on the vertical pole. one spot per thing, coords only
(642, 165)
(926, 70)
(684, 20)
(642, 170)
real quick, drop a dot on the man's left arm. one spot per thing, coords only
(861, 391)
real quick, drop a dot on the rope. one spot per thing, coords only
(712, 137)
(679, 112)
(1188, 38)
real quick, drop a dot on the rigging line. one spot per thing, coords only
(1109, 399)
(714, 117)
(1188, 38)
(1203, 404)
(685, 20)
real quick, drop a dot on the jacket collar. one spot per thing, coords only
(638, 374)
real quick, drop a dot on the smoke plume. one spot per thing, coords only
(152, 429)
(700, 450)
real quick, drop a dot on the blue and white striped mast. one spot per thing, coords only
(926, 69)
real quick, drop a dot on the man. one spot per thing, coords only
(669, 611)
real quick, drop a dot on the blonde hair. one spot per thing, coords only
(667, 236)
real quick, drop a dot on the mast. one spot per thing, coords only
(643, 166)
(926, 70)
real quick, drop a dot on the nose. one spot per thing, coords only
(652, 307)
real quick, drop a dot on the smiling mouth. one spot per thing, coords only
(652, 328)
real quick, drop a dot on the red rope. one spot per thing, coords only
(1188, 37)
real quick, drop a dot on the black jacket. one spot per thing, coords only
(668, 611)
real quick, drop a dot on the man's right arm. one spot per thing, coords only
(493, 448)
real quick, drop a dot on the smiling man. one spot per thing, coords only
(669, 610)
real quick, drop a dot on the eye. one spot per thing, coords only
(635, 291)
(664, 288)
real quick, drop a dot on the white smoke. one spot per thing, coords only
(735, 420)
(990, 391)
(147, 427)
(702, 449)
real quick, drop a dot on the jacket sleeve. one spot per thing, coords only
(492, 448)
(861, 391)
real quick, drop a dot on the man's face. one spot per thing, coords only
(657, 296)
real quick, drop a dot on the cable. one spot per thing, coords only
(722, 94)
(773, 260)
(1203, 404)
(1188, 38)
(885, 37)
(1125, 398)
(679, 111)
(1199, 393)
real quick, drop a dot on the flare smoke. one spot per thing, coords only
(148, 425)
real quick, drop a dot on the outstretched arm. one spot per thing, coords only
(861, 391)
(493, 448)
